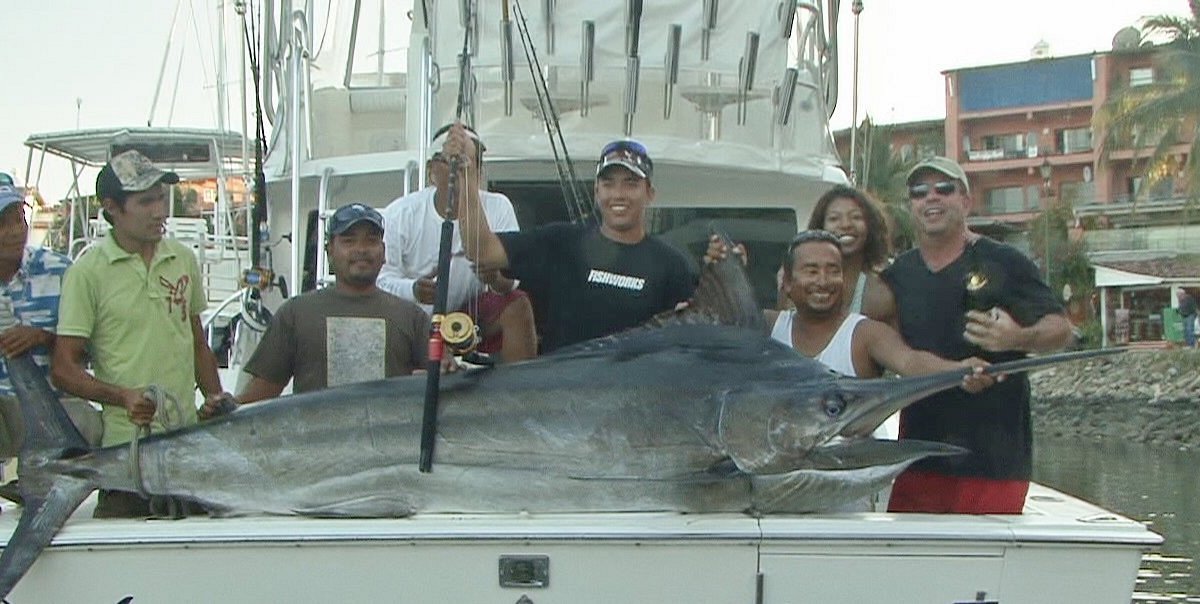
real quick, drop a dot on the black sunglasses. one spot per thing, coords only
(920, 191)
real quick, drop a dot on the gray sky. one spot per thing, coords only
(56, 51)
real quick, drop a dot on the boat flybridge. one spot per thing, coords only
(733, 99)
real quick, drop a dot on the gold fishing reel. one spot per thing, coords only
(459, 332)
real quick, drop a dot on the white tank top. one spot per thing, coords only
(838, 355)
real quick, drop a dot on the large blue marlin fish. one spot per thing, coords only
(697, 412)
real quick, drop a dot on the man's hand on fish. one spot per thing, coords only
(16, 340)
(718, 251)
(140, 407)
(993, 330)
(216, 405)
(977, 381)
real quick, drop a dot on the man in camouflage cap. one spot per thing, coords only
(131, 305)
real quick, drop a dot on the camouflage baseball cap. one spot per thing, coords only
(130, 172)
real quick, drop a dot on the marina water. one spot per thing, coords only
(1153, 484)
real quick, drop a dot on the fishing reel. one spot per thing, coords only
(459, 333)
(259, 278)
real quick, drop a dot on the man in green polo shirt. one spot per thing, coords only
(131, 307)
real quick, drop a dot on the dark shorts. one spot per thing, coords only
(916, 491)
(488, 307)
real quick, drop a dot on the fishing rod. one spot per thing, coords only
(437, 339)
(259, 276)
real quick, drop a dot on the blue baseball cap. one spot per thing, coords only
(350, 215)
(9, 196)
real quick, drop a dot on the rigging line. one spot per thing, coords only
(568, 194)
(565, 170)
(175, 89)
(200, 48)
(162, 69)
(567, 176)
(325, 32)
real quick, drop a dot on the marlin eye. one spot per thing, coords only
(833, 405)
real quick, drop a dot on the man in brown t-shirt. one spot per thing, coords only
(351, 332)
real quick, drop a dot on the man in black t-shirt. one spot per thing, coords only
(1009, 311)
(590, 281)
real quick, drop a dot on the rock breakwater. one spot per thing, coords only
(1140, 396)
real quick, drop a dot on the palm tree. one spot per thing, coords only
(881, 174)
(1166, 111)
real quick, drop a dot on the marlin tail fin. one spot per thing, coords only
(50, 497)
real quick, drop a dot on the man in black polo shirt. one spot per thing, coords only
(589, 281)
(936, 286)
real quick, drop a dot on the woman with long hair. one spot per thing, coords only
(856, 220)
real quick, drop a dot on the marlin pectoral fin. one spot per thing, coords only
(40, 520)
(720, 471)
(374, 506)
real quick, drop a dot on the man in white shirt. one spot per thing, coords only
(412, 238)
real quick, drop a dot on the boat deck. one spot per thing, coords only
(1062, 550)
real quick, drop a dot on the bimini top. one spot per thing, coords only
(177, 149)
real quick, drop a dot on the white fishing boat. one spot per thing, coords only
(1061, 550)
(733, 99)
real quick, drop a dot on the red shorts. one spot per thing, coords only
(487, 308)
(916, 491)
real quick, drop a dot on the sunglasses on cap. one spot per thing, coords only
(810, 235)
(628, 153)
(630, 145)
(921, 190)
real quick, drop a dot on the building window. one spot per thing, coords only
(906, 152)
(1079, 192)
(1013, 145)
(1133, 186)
(1163, 189)
(1006, 200)
(924, 151)
(1074, 140)
(1141, 76)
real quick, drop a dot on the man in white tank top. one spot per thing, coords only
(848, 343)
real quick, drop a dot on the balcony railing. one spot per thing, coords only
(1174, 238)
(1001, 154)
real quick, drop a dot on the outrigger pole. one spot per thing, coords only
(437, 344)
